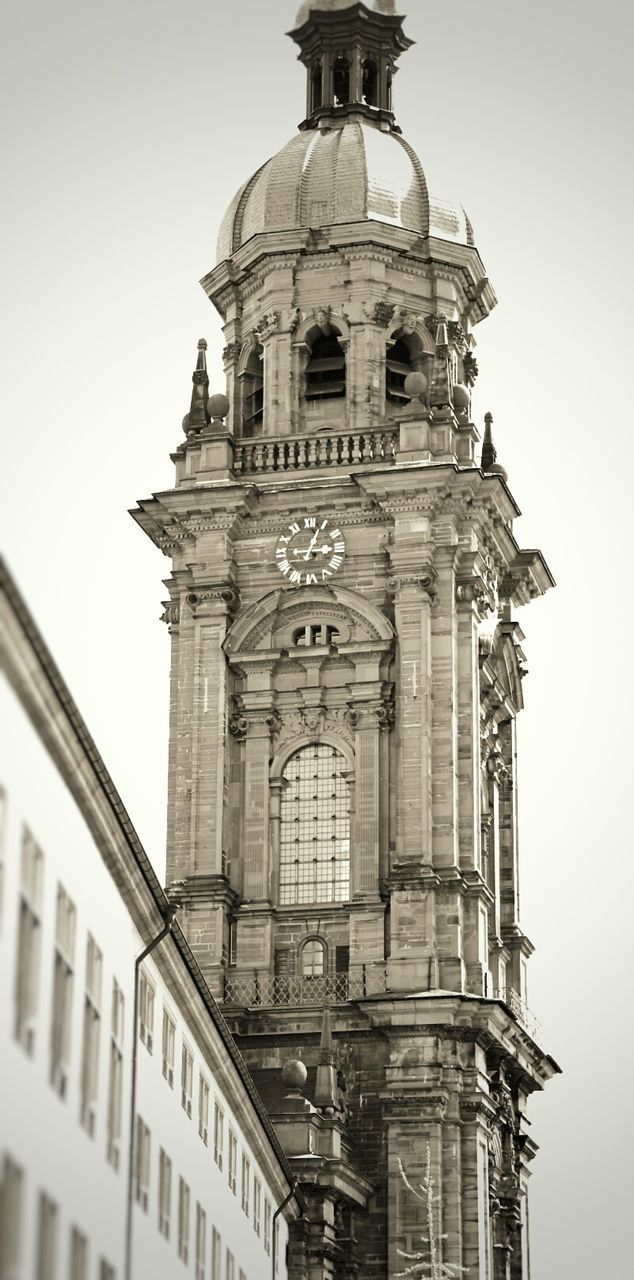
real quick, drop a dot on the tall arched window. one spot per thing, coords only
(341, 81)
(315, 86)
(313, 957)
(315, 827)
(253, 392)
(369, 82)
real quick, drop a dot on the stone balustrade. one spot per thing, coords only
(307, 452)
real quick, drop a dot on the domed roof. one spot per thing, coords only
(351, 173)
(375, 6)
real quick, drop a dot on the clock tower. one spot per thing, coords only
(346, 675)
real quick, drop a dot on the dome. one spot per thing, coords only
(352, 173)
(375, 6)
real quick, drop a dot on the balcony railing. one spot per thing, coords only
(526, 1019)
(332, 988)
(328, 449)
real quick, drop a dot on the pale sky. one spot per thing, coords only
(128, 126)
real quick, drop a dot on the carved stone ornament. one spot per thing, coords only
(457, 335)
(425, 579)
(223, 592)
(409, 321)
(231, 352)
(171, 613)
(470, 365)
(245, 719)
(267, 325)
(381, 313)
(301, 722)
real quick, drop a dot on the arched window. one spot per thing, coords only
(369, 82)
(388, 81)
(253, 392)
(313, 959)
(315, 827)
(315, 87)
(326, 368)
(341, 81)
(398, 363)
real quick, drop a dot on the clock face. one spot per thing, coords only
(309, 551)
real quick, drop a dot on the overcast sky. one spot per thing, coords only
(128, 126)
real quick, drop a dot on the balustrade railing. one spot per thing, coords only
(336, 988)
(327, 449)
(520, 1011)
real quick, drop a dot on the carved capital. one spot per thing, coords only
(231, 352)
(217, 593)
(171, 614)
(380, 313)
(424, 579)
(267, 325)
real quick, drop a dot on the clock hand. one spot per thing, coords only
(312, 543)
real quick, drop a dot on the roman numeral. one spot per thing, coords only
(335, 561)
(310, 522)
(336, 533)
(295, 576)
(325, 573)
(293, 529)
(285, 566)
(311, 578)
(340, 546)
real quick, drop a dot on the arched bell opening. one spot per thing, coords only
(316, 91)
(326, 365)
(404, 354)
(252, 386)
(370, 83)
(341, 82)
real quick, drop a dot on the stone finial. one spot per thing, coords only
(489, 452)
(198, 417)
(294, 1075)
(326, 1097)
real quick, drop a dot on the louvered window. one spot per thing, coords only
(326, 368)
(398, 364)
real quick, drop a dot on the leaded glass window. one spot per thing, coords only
(315, 828)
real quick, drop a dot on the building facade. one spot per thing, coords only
(94, 1185)
(346, 676)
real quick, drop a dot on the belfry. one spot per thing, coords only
(346, 675)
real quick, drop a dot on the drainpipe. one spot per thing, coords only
(275, 1217)
(170, 912)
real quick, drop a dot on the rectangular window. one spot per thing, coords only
(233, 1161)
(219, 1134)
(78, 1256)
(46, 1265)
(90, 1042)
(201, 1242)
(115, 1082)
(142, 1164)
(257, 1205)
(216, 1249)
(63, 978)
(183, 1220)
(165, 1193)
(187, 1079)
(11, 1200)
(168, 1048)
(203, 1109)
(246, 1183)
(267, 1225)
(29, 941)
(276, 1236)
(230, 1272)
(146, 1011)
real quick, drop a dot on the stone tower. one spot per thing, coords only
(346, 676)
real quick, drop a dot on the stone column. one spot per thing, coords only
(468, 705)
(445, 735)
(256, 883)
(413, 594)
(365, 835)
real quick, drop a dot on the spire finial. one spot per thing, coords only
(488, 461)
(326, 1098)
(198, 417)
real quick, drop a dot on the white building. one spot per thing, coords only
(201, 1192)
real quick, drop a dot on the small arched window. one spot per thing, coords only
(315, 633)
(369, 82)
(315, 86)
(341, 81)
(398, 363)
(326, 368)
(253, 392)
(315, 827)
(313, 959)
(388, 95)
